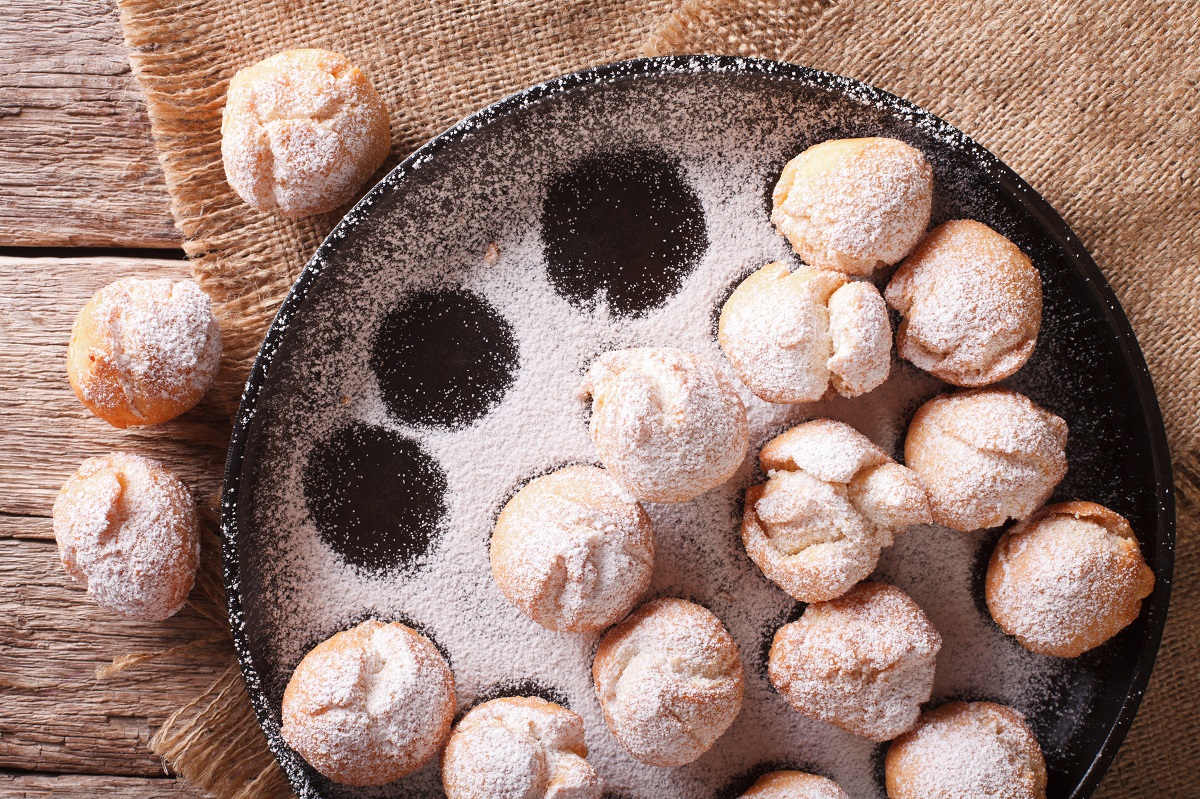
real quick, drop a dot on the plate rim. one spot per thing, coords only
(1030, 201)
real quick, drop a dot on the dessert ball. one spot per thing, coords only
(791, 335)
(519, 748)
(573, 550)
(962, 750)
(832, 501)
(144, 351)
(794, 785)
(971, 302)
(301, 132)
(128, 530)
(985, 456)
(669, 680)
(668, 425)
(1067, 579)
(863, 662)
(369, 705)
(854, 205)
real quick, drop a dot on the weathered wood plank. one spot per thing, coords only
(45, 432)
(40, 786)
(77, 167)
(57, 715)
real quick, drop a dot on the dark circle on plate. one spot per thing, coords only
(742, 782)
(443, 358)
(522, 688)
(377, 498)
(622, 227)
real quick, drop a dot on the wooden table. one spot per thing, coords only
(82, 203)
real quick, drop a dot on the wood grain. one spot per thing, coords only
(41, 786)
(45, 432)
(77, 166)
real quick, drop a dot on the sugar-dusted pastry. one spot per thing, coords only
(573, 550)
(976, 750)
(519, 748)
(370, 704)
(794, 785)
(791, 335)
(301, 132)
(971, 302)
(832, 501)
(863, 662)
(1067, 579)
(985, 456)
(128, 530)
(667, 424)
(144, 351)
(669, 680)
(854, 205)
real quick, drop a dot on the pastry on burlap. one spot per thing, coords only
(1112, 143)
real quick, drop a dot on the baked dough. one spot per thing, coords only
(832, 501)
(667, 424)
(854, 205)
(128, 530)
(1067, 579)
(301, 132)
(669, 680)
(985, 456)
(794, 785)
(370, 704)
(789, 335)
(977, 750)
(519, 748)
(144, 351)
(573, 550)
(971, 302)
(863, 662)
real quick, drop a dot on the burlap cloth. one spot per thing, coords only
(1094, 103)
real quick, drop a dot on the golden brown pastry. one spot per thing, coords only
(971, 302)
(370, 704)
(301, 132)
(832, 501)
(573, 550)
(519, 748)
(144, 351)
(985, 456)
(669, 680)
(790, 336)
(794, 785)
(667, 424)
(863, 662)
(128, 530)
(977, 750)
(1067, 579)
(854, 205)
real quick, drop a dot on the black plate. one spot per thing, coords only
(1087, 367)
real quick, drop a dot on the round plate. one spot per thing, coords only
(394, 405)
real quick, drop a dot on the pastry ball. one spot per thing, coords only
(854, 205)
(971, 302)
(128, 530)
(832, 501)
(1067, 579)
(369, 705)
(794, 785)
(791, 335)
(965, 750)
(667, 424)
(144, 351)
(573, 550)
(669, 680)
(301, 132)
(519, 748)
(985, 456)
(863, 662)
